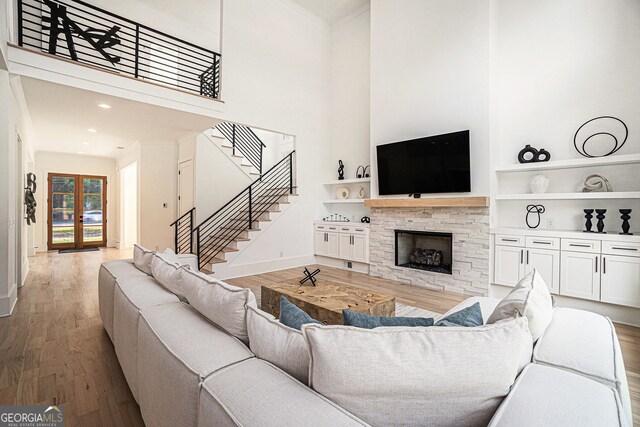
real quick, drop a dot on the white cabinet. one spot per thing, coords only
(547, 262)
(347, 242)
(620, 282)
(509, 265)
(513, 262)
(580, 275)
(320, 242)
(360, 248)
(333, 249)
(326, 241)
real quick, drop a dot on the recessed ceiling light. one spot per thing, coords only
(104, 106)
(85, 143)
(92, 130)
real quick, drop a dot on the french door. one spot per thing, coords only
(77, 211)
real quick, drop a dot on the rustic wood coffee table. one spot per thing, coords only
(326, 301)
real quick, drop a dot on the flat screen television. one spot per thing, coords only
(433, 164)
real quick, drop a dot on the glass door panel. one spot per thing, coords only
(62, 210)
(92, 210)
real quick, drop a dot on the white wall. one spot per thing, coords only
(128, 205)
(48, 162)
(430, 75)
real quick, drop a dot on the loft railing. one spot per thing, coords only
(90, 35)
(239, 215)
(245, 141)
(183, 231)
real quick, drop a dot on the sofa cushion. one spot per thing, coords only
(487, 305)
(416, 376)
(130, 296)
(142, 259)
(168, 275)
(228, 398)
(223, 304)
(178, 348)
(277, 343)
(545, 396)
(467, 317)
(529, 298)
(595, 350)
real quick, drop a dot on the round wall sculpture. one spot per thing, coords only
(600, 136)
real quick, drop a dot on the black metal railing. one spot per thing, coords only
(245, 141)
(90, 35)
(183, 232)
(239, 215)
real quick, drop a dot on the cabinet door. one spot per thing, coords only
(547, 262)
(580, 275)
(320, 243)
(345, 250)
(621, 280)
(333, 249)
(509, 265)
(360, 248)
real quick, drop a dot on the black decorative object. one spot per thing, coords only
(29, 199)
(365, 220)
(360, 172)
(309, 276)
(600, 215)
(530, 154)
(625, 221)
(367, 174)
(581, 143)
(340, 170)
(588, 214)
(336, 218)
(537, 209)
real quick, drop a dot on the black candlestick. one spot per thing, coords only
(625, 221)
(588, 214)
(600, 215)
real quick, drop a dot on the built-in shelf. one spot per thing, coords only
(571, 196)
(430, 202)
(338, 201)
(586, 162)
(348, 181)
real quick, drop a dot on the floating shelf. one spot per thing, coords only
(430, 202)
(571, 196)
(348, 181)
(586, 162)
(337, 201)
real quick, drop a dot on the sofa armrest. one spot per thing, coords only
(189, 259)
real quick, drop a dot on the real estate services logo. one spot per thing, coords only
(32, 416)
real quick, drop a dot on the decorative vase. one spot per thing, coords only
(342, 193)
(600, 215)
(362, 193)
(539, 184)
(625, 221)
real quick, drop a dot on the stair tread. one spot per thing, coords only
(241, 239)
(206, 270)
(217, 260)
(229, 250)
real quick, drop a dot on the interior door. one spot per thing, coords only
(185, 187)
(77, 211)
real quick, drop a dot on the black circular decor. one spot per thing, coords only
(527, 154)
(543, 155)
(581, 142)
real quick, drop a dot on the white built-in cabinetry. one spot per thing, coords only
(342, 240)
(590, 266)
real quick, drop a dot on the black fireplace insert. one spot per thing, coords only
(424, 250)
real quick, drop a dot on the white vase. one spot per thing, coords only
(539, 184)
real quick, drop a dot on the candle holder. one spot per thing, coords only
(588, 214)
(600, 215)
(625, 221)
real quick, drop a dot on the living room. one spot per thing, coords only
(348, 98)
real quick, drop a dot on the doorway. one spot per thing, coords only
(129, 205)
(77, 207)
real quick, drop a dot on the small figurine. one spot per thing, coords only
(340, 170)
(310, 276)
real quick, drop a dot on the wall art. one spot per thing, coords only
(600, 136)
(29, 199)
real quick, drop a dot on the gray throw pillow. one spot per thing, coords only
(293, 316)
(360, 320)
(469, 317)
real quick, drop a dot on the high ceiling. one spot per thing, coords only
(63, 115)
(332, 11)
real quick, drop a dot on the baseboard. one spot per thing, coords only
(25, 271)
(9, 302)
(250, 269)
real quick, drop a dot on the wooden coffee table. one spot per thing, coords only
(326, 301)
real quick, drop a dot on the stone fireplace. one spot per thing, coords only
(467, 228)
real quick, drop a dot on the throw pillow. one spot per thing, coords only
(360, 320)
(142, 259)
(418, 376)
(468, 317)
(530, 298)
(277, 343)
(170, 256)
(293, 316)
(223, 304)
(168, 275)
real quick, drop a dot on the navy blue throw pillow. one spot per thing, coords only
(469, 316)
(292, 316)
(351, 318)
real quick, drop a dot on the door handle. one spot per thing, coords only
(527, 256)
(541, 243)
(596, 264)
(521, 256)
(604, 265)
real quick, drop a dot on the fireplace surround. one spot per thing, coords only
(424, 250)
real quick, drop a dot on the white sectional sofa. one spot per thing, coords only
(185, 370)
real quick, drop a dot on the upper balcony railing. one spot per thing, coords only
(78, 31)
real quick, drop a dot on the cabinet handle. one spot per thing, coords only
(624, 249)
(521, 256)
(579, 246)
(509, 240)
(604, 265)
(352, 240)
(596, 264)
(527, 256)
(541, 243)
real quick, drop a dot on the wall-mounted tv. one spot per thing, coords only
(433, 164)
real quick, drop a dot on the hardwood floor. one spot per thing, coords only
(53, 349)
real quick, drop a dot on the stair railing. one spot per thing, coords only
(183, 232)
(245, 141)
(239, 215)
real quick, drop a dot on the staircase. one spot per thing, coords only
(240, 144)
(237, 221)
